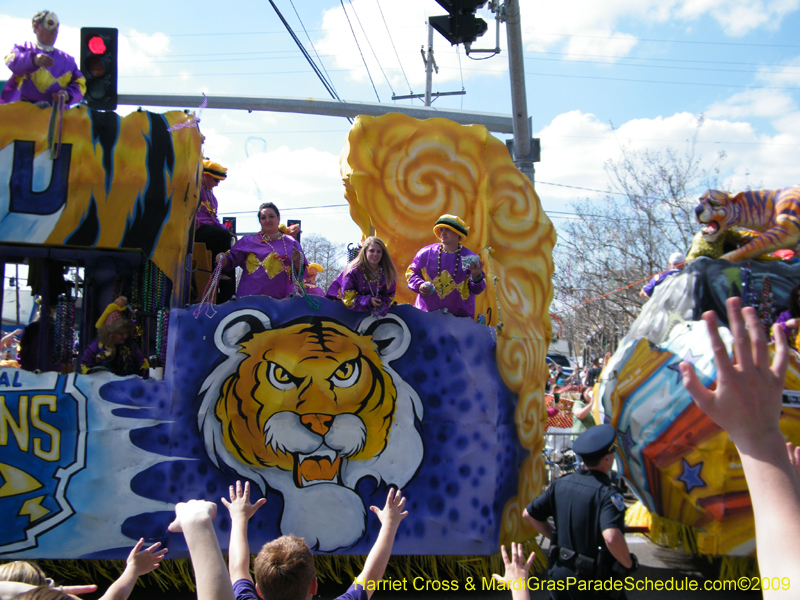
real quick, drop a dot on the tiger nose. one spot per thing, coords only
(318, 423)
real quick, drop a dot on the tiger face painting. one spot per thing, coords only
(774, 213)
(308, 410)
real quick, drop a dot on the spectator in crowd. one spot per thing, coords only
(746, 401)
(285, 566)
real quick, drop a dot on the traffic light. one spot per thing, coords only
(461, 26)
(99, 66)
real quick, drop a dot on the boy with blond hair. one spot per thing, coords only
(284, 568)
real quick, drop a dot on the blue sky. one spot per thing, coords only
(650, 67)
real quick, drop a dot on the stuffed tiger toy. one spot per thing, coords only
(774, 213)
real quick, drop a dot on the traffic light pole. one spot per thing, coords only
(495, 122)
(429, 67)
(524, 150)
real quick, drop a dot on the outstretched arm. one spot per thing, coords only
(241, 511)
(139, 563)
(543, 527)
(516, 576)
(747, 404)
(377, 559)
(195, 519)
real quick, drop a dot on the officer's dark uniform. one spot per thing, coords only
(582, 505)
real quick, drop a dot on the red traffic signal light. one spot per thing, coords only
(96, 45)
(99, 66)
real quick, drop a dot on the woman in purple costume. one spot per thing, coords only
(271, 261)
(369, 282)
(447, 275)
(41, 73)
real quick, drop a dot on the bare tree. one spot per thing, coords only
(332, 257)
(625, 238)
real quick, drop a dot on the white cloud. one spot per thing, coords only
(575, 146)
(294, 180)
(139, 53)
(753, 103)
(406, 21)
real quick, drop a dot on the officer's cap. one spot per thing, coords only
(597, 441)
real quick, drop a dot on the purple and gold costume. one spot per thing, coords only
(357, 291)
(207, 211)
(454, 288)
(38, 84)
(314, 290)
(125, 359)
(267, 265)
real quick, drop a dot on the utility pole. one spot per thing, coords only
(524, 150)
(429, 67)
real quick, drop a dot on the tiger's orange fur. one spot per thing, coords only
(773, 213)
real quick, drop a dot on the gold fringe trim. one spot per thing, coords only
(178, 573)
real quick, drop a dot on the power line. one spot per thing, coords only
(366, 37)
(389, 33)
(307, 56)
(312, 46)
(352, 31)
(692, 42)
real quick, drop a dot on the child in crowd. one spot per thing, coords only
(140, 562)
(284, 568)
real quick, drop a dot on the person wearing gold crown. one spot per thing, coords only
(41, 73)
(447, 275)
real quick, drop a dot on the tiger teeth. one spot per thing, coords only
(317, 454)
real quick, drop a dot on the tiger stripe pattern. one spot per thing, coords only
(773, 213)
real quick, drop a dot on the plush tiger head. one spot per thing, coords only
(715, 213)
(308, 410)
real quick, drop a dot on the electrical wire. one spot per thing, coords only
(312, 45)
(352, 31)
(307, 56)
(389, 33)
(374, 54)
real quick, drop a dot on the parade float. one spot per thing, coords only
(683, 468)
(447, 409)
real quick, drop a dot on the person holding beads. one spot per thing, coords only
(370, 280)
(272, 262)
(447, 275)
(41, 74)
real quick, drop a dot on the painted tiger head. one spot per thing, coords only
(309, 409)
(714, 212)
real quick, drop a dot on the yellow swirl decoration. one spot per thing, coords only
(401, 174)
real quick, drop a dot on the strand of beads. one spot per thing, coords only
(161, 335)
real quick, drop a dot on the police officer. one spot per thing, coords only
(589, 514)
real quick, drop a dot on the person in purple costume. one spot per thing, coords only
(271, 260)
(370, 280)
(447, 275)
(114, 350)
(285, 567)
(208, 229)
(40, 72)
(310, 281)
(793, 312)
